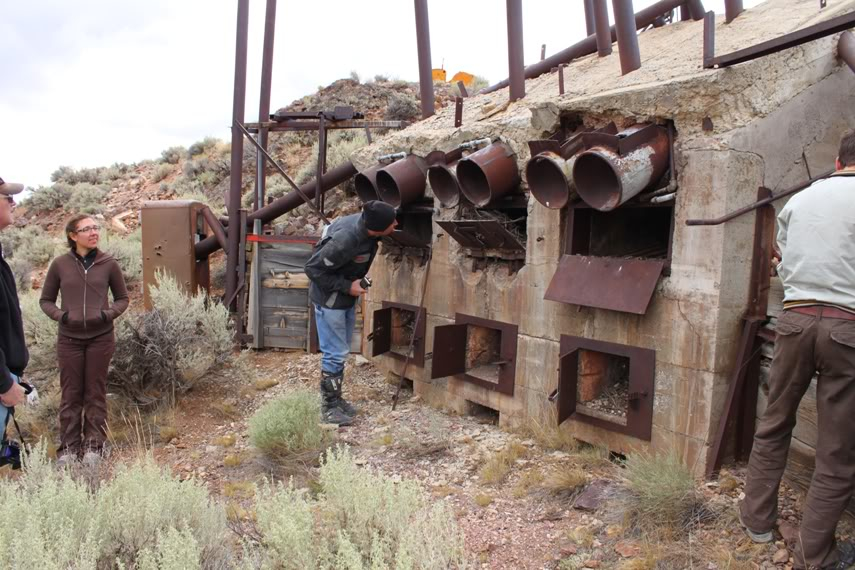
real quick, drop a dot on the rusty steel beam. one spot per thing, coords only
(787, 41)
(627, 36)
(216, 227)
(423, 43)
(588, 46)
(264, 99)
(589, 17)
(285, 204)
(732, 9)
(238, 105)
(603, 30)
(516, 63)
(709, 39)
(846, 49)
(696, 9)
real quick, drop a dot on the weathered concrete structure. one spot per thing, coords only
(770, 122)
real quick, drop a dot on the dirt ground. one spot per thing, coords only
(517, 519)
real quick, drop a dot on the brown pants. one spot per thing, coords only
(83, 368)
(807, 344)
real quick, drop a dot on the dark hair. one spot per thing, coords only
(847, 149)
(71, 227)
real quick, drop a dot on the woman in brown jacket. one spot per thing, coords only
(86, 341)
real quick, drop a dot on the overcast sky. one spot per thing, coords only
(93, 82)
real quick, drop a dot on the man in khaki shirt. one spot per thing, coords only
(815, 334)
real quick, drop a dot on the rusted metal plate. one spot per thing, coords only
(642, 376)
(417, 358)
(407, 239)
(624, 285)
(507, 353)
(382, 332)
(449, 351)
(481, 234)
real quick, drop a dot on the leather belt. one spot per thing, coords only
(823, 311)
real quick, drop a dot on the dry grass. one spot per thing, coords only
(483, 500)
(384, 440)
(529, 480)
(265, 384)
(228, 440)
(233, 460)
(239, 489)
(167, 433)
(499, 464)
(442, 491)
(564, 484)
(550, 436)
(226, 410)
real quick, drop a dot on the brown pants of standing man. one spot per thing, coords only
(83, 368)
(807, 344)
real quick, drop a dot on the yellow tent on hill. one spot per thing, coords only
(467, 78)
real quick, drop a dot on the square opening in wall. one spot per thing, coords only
(413, 235)
(628, 232)
(481, 351)
(603, 385)
(395, 327)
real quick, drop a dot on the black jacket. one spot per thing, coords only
(13, 351)
(340, 258)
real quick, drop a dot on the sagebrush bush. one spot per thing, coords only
(288, 425)
(173, 154)
(162, 352)
(360, 520)
(402, 107)
(39, 332)
(47, 198)
(341, 145)
(161, 172)
(22, 272)
(87, 199)
(128, 252)
(30, 243)
(662, 492)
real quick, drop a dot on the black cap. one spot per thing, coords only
(377, 215)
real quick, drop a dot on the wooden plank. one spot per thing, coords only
(775, 304)
(287, 281)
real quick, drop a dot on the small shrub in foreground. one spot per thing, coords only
(499, 464)
(288, 425)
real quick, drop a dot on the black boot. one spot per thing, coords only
(331, 413)
(343, 404)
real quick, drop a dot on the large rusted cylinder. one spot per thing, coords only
(366, 184)
(605, 179)
(402, 182)
(488, 174)
(627, 37)
(603, 30)
(516, 64)
(443, 181)
(846, 49)
(550, 179)
(732, 9)
(589, 17)
(423, 45)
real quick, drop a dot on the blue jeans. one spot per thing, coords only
(335, 331)
(4, 411)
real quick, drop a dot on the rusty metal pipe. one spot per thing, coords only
(516, 62)
(216, 227)
(264, 100)
(588, 46)
(285, 204)
(488, 174)
(846, 49)
(366, 184)
(696, 9)
(732, 9)
(603, 30)
(423, 43)
(627, 36)
(606, 179)
(589, 17)
(550, 179)
(444, 183)
(402, 182)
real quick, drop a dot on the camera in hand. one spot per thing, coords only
(365, 283)
(10, 453)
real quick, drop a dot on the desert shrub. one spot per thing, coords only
(209, 178)
(86, 199)
(382, 524)
(478, 84)
(128, 252)
(161, 353)
(402, 107)
(172, 155)
(661, 493)
(202, 146)
(22, 272)
(341, 145)
(192, 168)
(381, 78)
(288, 425)
(39, 332)
(161, 172)
(499, 464)
(30, 243)
(47, 198)
(354, 76)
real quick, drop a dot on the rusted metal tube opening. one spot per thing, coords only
(606, 179)
(443, 181)
(550, 179)
(402, 182)
(366, 184)
(846, 49)
(488, 174)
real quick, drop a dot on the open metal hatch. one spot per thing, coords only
(393, 329)
(617, 284)
(481, 234)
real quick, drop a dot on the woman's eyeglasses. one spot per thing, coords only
(88, 229)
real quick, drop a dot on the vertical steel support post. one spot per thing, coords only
(322, 159)
(423, 43)
(458, 111)
(238, 105)
(627, 37)
(709, 39)
(732, 9)
(561, 79)
(264, 101)
(589, 17)
(696, 9)
(601, 24)
(516, 64)
(846, 49)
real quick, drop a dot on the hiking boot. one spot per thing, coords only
(758, 537)
(331, 411)
(91, 459)
(846, 552)
(343, 404)
(336, 416)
